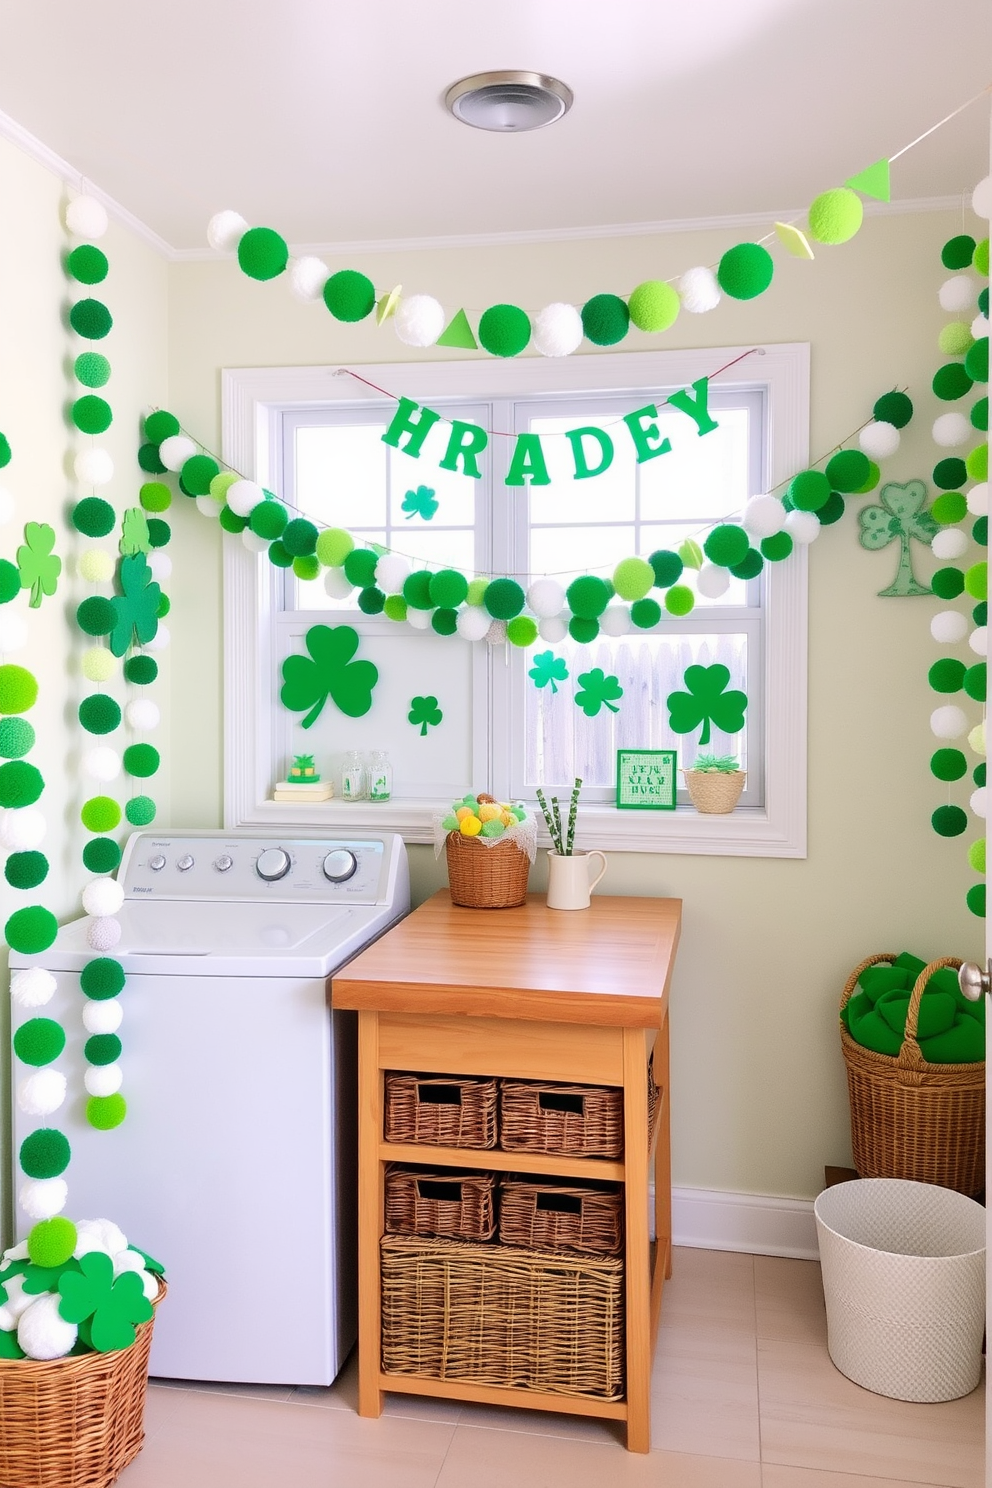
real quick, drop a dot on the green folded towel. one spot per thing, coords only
(950, 1030)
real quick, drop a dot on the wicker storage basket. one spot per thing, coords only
(546, 1214)
(911, 1119)
(73, 1423)
(500, 1316)
(440, 1110)
(577, 1120)
(453, 1203)
(714, 792)
(485, 877)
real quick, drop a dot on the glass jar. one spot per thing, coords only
(380, 776)
(353, 777)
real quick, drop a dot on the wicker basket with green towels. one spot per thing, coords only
(951, 1030)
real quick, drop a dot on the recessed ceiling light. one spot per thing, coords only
(508, 102)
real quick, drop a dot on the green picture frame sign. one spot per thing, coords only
(646, 779)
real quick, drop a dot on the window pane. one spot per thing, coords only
(444, 548)
(704, 477)
(341, 474)
(610, 495)
(455, 494)
(565, 552)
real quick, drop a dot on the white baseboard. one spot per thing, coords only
(712, 1219)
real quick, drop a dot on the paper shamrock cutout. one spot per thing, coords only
(136, 608)
(425, 711)
(113, 1308)
(328, 672)
(899, 514)
(37, 565)
(39, 1279)
(548, 668)
(420, 503)
(134, 531)
(597, 690)
(706, 702)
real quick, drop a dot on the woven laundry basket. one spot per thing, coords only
(904, 1282)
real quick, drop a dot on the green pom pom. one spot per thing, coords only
(949, 473)
(94, 517)
(680, 600)
(957, 252)
(493, 828)
(52, 1241)
(96, 616)
(10, 582)
(16, 738)
(946, 675)
(141, 760)
(654, 306)
(300, 538)
(750, 565)
(395, 607)
(947, 583)
(847, 471)
(39, 1041)
(477, 592)
(645, 613)
(875, 475)
(141, 670)
(726, 545)
(521, 631)
(667, 568)
(980, 259)
(106, 1111)
(587, 597)
(148, 459)
(955, 338)
(745, 271)
(976, 362)
(445, 622)
(262, 253)
(977, 463)
(26, 870)
(349, 295)
(832, 509)
(161, 425)
(198, 472)
(835, 216)
(975, 900)
(417, 589)
(333, 546)
(633, 578)
(948, 764)
(101, 855)
(91, 369)
(307, 567)
(21, 784)
(155, 496)
(976, 580)
(975, 682)
(978, 774)
(91, 319)
(949, 508)
(976, 856)
(504, 598)
(45, 1153)
(951, 381)
(100, 814)
(371, 601)
(102, 1048)
(164, 606)
(980, 415)
(278, 556)
(583, 630)
(359, 567)
(268, 519)
(231, 522)
(809, 490)
(949, 821)
(102, 979)
(160, 532)
(983, 300)
(4, 451)
(450, 824)
(449, 589)
(92, 415)
(99, 714)
(980, 531)
(18, 689)
(31, 930)
(605, 319)
(776, 547)
(140, 811)
(504, 330)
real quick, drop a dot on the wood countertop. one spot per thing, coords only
(610, 964)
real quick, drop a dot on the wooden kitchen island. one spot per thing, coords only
(533, 994)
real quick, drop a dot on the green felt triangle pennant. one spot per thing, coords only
(873, 182)
(458, 333)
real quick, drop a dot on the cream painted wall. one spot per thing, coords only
(759, 1101)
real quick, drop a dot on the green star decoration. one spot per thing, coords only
(425, 712)
(706, 703)
(597, 690)
(136, 607)
(420, 503)
(38, 566)
(899, 514)
(113, 1308)
(548, 668)
(134, 531)
(328, 672)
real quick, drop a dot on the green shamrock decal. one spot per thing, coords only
(328, 672)
(136, 608)
(706, 702)
(425, 711)
(38, 566)
(112, 1308)
(420, 503)
(596, 690)
(134, 531)
(548, 668)
(899, 514)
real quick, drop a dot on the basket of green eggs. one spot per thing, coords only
(489, 849)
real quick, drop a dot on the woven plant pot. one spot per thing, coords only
(715, 792)
(74, 1423)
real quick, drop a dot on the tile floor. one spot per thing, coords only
(745, 1396)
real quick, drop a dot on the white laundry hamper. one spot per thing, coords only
(904, 1282)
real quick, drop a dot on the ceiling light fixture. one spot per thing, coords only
(508, 102)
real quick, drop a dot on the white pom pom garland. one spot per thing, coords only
(337, 585)
(419, 619)
(472, 623)
(614, 621)
(764, 516)
(103, 896)
(699, 291)
(103, 1017)
(981, 198)
(950, 543)
(44, 1091)
(42, 1331)
(979, 640)
(545, 598)
(802, 526)
(243, 496)
(958, 293)
(948, 627)
(103, 1079)
(161, 564)
(93, 467)
(391, 573)
(225, 231)
(419, 320)
(977, 801)
(948, 722)
(13, 631)
(978, 499)
(951, 430)
(879, 440)
(552, 630)
(103, 934)
(32, 987)
(102, 763)
(557, 330)
(22, 828)
(176, 450)
(41, 1198)
(207, 506)
(87, 218)
(143, 715)
(712, 581)
(307, 278)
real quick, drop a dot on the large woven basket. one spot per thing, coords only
(454, 1203)
(548, 1214)
(485, 877)
(440, 1110)
(74, 1422)
(910, 1119)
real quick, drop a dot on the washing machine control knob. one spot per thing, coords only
(185, 863)
(224, 862)
(272, 864)
(340, 865)
(157, 863)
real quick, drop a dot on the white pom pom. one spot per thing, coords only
(96, 566)
(764, 516)
(614, 621)
(552, 630)
(243, 497)
(712, 581)
(948, 722)
(103, 1079)
(93, 467)
(802, 526)
(496, 634)
(207, 506)
(950, 543)
(33, 987)
(44, 1091)
(948, 627)
(337, 585)
(699, 291)
(879, 440)
(15, 1253)
(103, 1017)
(419, 320)
(13, 631)
(977, 801)
(419, 619)
(90, 1238)
(161, 564)
(103, 934)
(976, 738)
(112, 1237)
(253, 542)
(143, 715)
(7, 506)
(979, 640)
(225, 231)
(473, 623)
(102, 763)
(160, 639)
(87, 217)
(981, 198)
(102, 896)
(952, 429)
(980, 327)
(98, 664)
(149, 1284)
(958, 293)
(43, 1332)
(545, 598)
(22, 828)
(18, 1301)
(176, 450)
(391, 573)
(128, 1260)
(41, 1198)
(307, 278)
(978, 499)
(557, 330)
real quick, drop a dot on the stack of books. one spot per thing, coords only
(302, 790)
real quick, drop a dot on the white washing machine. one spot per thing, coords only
(236, 1163)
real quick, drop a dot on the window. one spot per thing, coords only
(326, 455)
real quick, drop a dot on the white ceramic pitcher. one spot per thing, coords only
(569, 885)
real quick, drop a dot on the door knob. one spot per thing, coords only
(973, 981)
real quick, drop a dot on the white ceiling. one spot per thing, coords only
(324, 120)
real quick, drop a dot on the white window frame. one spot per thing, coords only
(253, 401)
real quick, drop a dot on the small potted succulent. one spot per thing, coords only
(715, 783)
